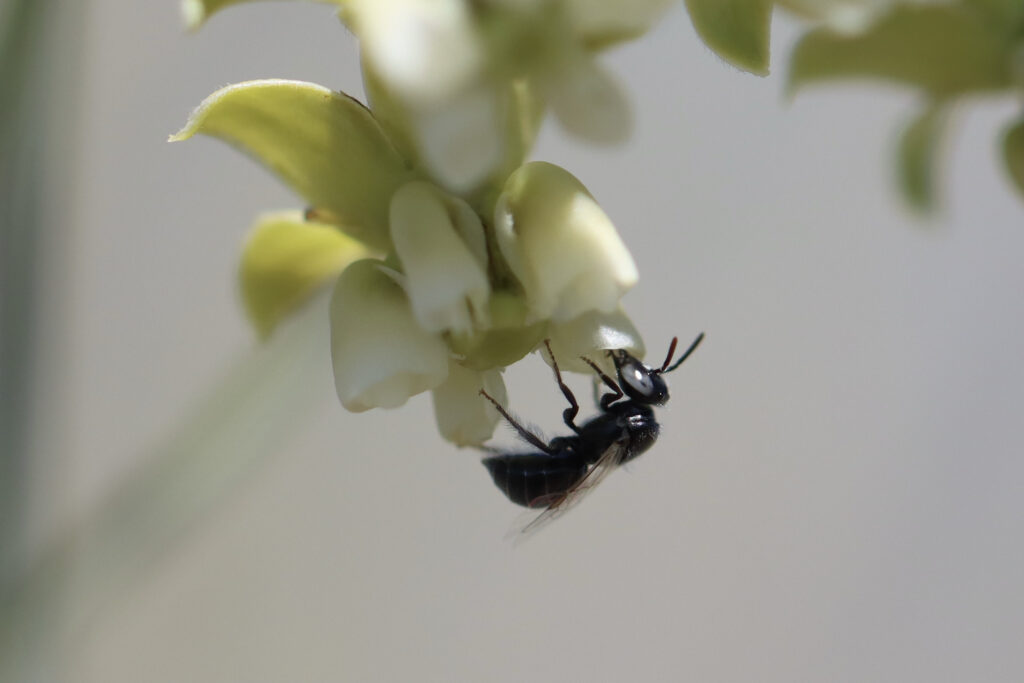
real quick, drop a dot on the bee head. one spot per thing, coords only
(643, 383)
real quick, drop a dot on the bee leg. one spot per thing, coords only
(616, 392)
(530, 437)
(570, 413)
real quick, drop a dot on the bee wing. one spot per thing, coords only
(609, 460)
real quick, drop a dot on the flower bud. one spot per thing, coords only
(560, 244)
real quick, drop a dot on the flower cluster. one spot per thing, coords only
(451, 255)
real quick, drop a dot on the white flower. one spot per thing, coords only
(381, 355)
(425, 50)
(590, 335)
(460, 141)
(464, 417)
(440, 242)
(593, 19)
(450, 66)
(560, 244)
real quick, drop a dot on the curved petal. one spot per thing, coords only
(325, 145)
(560, 244)
(464, 417)
(381, 355)
(285, 260)
(590, 335)
(446, 282)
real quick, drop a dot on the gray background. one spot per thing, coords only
(837, 493)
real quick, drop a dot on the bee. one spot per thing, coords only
(559, 473)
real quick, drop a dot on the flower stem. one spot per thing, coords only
(246, 417)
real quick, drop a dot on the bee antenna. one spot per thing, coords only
(686, 354)
(671, 352)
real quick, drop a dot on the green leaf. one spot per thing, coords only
(285, 261)
(943, 49)
(324, 144)
(738, 30)
(196, 12)
(918, 158)
(1013, 153)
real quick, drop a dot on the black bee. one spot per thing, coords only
(566, 468)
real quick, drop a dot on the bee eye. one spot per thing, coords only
(638, 378)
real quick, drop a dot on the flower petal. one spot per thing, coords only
(560, 244)
(460, 141)
(425, 51)
(738, 30)
(464, 417)
(605, 22)
(285, 260)
(590, 335)
(1013, 154)
(447, 284)
(475, 138)
(381, 355)
(509, 338)
(324, 144)
(588, 101)
(943, 49)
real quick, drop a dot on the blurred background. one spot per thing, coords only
(838, 494)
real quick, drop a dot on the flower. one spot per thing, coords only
(381, 355)
(589, 336)
(456, 73)
(463, 416)
(440, 243)
(560, 244)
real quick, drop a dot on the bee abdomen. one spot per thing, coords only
(535, 479)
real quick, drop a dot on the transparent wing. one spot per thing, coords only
(609, 460)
